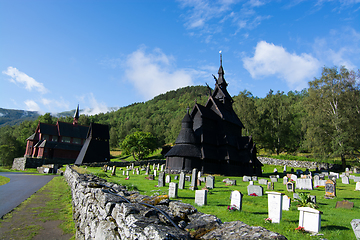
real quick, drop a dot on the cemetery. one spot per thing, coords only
(235, 198)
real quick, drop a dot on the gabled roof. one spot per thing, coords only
(32, 137)
(48, 129)
(204, 112)
(228, 114)
(71, 130)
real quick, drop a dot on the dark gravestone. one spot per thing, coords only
(290, 187)
(344, 204)
(270, 186)
(151, 177)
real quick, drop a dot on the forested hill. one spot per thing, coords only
(12, 117)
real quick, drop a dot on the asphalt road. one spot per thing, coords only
(20, 187)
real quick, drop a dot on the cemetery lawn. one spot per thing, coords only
(47, 214)
(335, 222)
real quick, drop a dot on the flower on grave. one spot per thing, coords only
(231, 208)
(317, 186)
(268, 220)
(127, 178)
(253, 194)
(300, 229)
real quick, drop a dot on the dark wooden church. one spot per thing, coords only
(211, 138)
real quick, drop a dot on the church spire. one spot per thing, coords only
(76, 116)
(221, 80)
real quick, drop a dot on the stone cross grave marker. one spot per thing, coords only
(330, 189)
(345, 180)
(201, 197)
(310, 219)
(173, 190)
(210, 182)
(290, 187)
(194, 179)
(255, 189)
(355, 224)
(275, 206)
(182, 180)
(236, 200)
(286, 203)
(161, 180)
(167, 179)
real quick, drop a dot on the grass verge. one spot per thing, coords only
(4, 180)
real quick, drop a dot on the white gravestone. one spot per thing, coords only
(275, 206)
(263, 181)
(251, 182)
(168, 179)
(285, 180)
(310, 219)
(173, 190)
(357, 187)
(355, 224)
(255, 189)
(345, 180)
(286, 203)
(236, 200)
(304, 183)
(293, 177)
(200, 197)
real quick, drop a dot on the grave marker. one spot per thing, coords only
(345, 180)
(270, 186)
(236, 200)
(254, 178)
(355, 224)
(344, 204)
(310, 219)
(357, 187)
(290, 187)
(173, 190)
(304, 183)
(275, 206)
(246, 178)
(285, 180)
(255, 189)
(182, 180)
(286, 203)
(263, 181)
(113, 173)
(201, 197)
(161, 180)
(167, 179)
(210, 182)
(193, 185)
(330, 189)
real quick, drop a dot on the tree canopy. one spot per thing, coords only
(139, 144)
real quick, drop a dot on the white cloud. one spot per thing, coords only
(31, 105)
(269, 60)
(29, 82)
(53, 104)
(154, 73)
(95, 107)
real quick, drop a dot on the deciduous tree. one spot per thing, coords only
(139, 144)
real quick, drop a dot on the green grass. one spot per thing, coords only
(4, 180)
(8, 169)
(335, 222)
(129, 158)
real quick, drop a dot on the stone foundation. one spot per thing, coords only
(103, 210)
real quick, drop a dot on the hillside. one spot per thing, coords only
(12, 117)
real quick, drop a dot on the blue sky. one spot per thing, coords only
(101, 54)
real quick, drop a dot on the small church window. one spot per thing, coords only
(54, 138)
(45, 137)
(65, 139)
(77, 140)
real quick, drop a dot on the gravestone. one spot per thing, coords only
(357, 187)
(161, 180)
(355, 224)
(246, 178)
(292, 170)
(285, 180)
(286, 202)
(193, 185)
(210, 182)
(254, 178)
(275, 206)
(293, 177)
(313, 198)
(167, 179)
(322, 176)
(155, 173)
(296, 196)
(162, 168)
(270, 186)
(182, 180)
(231, 182)
(330, 189)
(335, 174)
(176, 177)
(356, 179)
(290, 187)
(274, 179)
(236, 200)
(199, 174)
(113, 173)
(255, 189)
(187, 178)
(173, 190)
(304, 183)
(251, 182)
(310, 219)
(284, 169)
(345, 180)
(333, 178)
(151, 177)
(275, 170)
(124, 173)
(202, 179)
(201, 197)
(344, 204)
(147, 170)
(263, 181)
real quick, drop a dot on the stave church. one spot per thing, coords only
(211, 138)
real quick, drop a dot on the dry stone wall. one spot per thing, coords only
(299, 164)
(100, 214)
